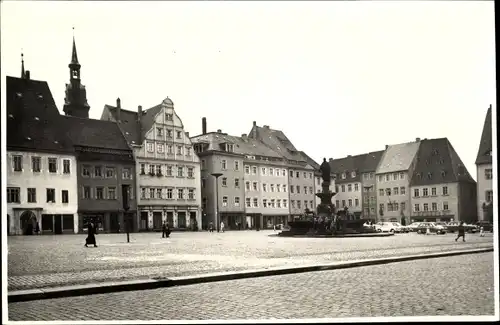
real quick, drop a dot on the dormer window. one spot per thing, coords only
(229, 147)
(344, 176)
(443, 173)
(179, 134)
(419, 175)
(429, 175)
(19, 95)
(434, 152)
(353, 174)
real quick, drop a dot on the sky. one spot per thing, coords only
(339, 78)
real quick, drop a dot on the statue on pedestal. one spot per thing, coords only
(325, 171)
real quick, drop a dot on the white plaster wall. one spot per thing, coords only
(483, 185)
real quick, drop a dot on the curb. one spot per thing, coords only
(155, 283)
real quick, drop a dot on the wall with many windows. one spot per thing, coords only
(43, 183)
(302, 195)
(484, 187)
(439, 201)
(393, 195)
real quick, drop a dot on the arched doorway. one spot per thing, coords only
(28, 222)
(8, 224)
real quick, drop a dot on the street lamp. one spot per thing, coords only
(217, 175)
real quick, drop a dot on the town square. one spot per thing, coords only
(246, 161)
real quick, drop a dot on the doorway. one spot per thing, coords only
(28, 222)
(8, 224)
(181, 219)
(114, 225)
(157, 220)
(57, 224)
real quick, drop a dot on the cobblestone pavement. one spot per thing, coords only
(48, 261)
(448, 286)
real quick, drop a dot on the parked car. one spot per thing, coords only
(471, 228)
(433, 228)
(486, 226)
(453, 227)
(400, 228)
(413, 226)
(386, 227)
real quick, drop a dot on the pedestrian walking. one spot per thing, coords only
(163, 229)
(90, 240)
(222, 226)
(37, 228)
(211, 227)
(461, 231)
(481, 231)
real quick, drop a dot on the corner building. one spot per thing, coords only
(484, 169)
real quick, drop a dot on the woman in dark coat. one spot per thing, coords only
(90, 240)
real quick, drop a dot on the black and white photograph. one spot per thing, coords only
(248, 161)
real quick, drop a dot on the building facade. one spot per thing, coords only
(369, 184)
(393, 178)
(348, 184)
(41, 164)
(167, 168)
(441, 187)
(484, 169)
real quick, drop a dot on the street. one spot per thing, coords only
(48, 261)
(461, 285)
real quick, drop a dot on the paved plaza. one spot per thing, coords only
(50, 261)
(448, 286)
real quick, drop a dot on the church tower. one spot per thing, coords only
(75, 102)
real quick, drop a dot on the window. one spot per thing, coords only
(169, 171)
(305, 189)
(264, 203)
(292, 202)
(143, 169)
(343, 175)
(126, 173)
(396, 191)
(179, 134)
(223, 164)
(151, 193)
(247, 185)
(372, 175)
(356, 187)
(99, 193)
(343, 203)
(247, 202)
(180, 171)
(254, 170)
(285, 203)
(52, 165)
(425, 192)
(160, 147)
(180, 194)
(395, 176)
(403, 206)
(416, 192)
(179, 150)
(236, 165)
(169, 133)
(353, 174)
(311, 190)
(381, 192)
(298, 189)
(417, 207)
(401, 175)
(305, 204)
(98, 171)
(356, 202)
(272, 187)
(445, 190)
(170, 149)
(66, 166)
(291, 174)
(277, 172)
(110, 172)
(237, 182)
(247, 170)
(380, 178)
(13, 195)
(263, 171)
(284, 188)
(387, 177)
(291, 188)
(203, 164)
(224, 181)
(426, 206)
(224, 201)
(188, 151)
(36, 163)
(271, 172)
(349, 187)
(299, 204)
(343, 188)
(17, 161)
(271, 203)
(388, 191)
(150, 147)
(402, 190)
(433, 191)
(254, 186)
(86, 192)
(51, 195)
(310, 175)
(488, 173)
(151, 170)
(169, 117)
(237, 201)
(159, 132)
(264, 187)
(170, 193)
(31, 195)
(350, 202)
(255, 202)
(395, 206)
(445, 206)
(297, 174)
(489, 196)
(434, 206)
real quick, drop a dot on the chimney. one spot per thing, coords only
(139, 124)
(27, 75)
(219, 131)
(118, 110)
(254, 131)
(417, 139)
(204, 125)
(386, 147)
(187, 134)
(254, 123)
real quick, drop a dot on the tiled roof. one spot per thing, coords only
(277, 140)
(310, 161)
(437, 162)
(244, 146)
(484, 152)
(33, 118)
(347, 165)
(371, 161)
(398, 157)
(94, 133)
(128, 122)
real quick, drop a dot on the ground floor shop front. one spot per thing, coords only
(32, 221)
(260, 221)
(108, 221)
(151, 218)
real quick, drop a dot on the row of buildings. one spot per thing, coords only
(141, 168)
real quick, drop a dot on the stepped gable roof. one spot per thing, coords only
(33, 120)
(93, 133)
(278, 141)
(371, 161)
(398, 157)
(242, 145)
(437, 163)
(485, 146)
(347, 165)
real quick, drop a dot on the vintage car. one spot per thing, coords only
(387, 227)
(487, 227)
(413, 226)
(432, 227)
(453, 227)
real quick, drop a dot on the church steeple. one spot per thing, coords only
(23, 74)
(75, 103)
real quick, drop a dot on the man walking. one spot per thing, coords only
(461, 231)
(163, 229)
(481, 231)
